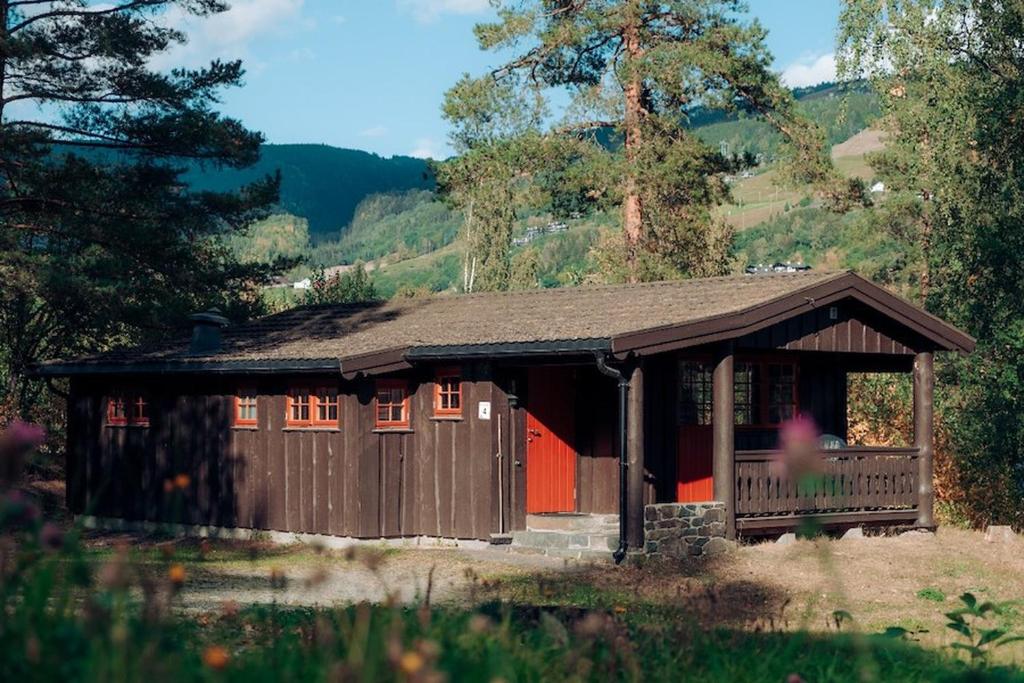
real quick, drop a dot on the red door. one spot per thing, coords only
(694, 483)
(550, 427)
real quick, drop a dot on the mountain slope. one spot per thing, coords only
(322, 184)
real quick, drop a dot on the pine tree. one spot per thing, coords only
(633, 70)
(101, 241)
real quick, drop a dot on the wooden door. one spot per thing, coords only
(550, 453)
(694, 483)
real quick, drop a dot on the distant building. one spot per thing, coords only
(777, 267)
(304, 283)
(877, 188)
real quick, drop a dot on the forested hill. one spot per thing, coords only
(323, 184)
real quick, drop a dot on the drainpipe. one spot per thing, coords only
(623, 381)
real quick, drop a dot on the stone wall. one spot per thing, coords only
(677, 530)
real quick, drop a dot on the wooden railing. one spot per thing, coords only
(870, 481)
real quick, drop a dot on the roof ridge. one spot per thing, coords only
(634, 285)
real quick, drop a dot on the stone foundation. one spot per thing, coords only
(677, 530)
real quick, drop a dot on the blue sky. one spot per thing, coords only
(370, 74)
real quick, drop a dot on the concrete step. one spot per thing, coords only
(565, 540)
(581, 523)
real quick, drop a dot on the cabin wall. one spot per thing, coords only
(438, 478)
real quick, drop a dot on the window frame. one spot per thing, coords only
(130, 402)
(439, 393)
(763, 388)
(760, 390)
(244, 394)
(390, 385)
(311, 392)
(316, 402)
(289, 404)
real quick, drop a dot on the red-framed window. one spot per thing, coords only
(125, 408)
(448, 393)
(246, 411)
(325, 407)
(312, 406)
(392, 404)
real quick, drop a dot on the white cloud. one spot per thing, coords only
(426, 11)
(425, 148)
(810, 71)
(374, 132)
(229, 34)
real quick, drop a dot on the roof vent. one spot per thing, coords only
(206, 327)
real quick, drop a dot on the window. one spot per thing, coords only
(325, 408)
(117, 411)
(392, 404)
(781, 392)
(298, 407)
(764, 392)
(245, 408)
(128, 409)
(694, 393)
(747, 392)
(448, 394)
(312, 407)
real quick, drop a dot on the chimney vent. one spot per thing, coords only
(206, 327)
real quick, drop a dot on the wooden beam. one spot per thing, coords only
(924, 435)
(635, 463)
(723, 427)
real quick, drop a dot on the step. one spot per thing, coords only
(501, 539)
(565, 540)
(573, 522)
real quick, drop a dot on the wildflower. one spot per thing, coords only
(15, 442)
(51, 537)
(794, 678)
(801, 455)
(114, 574)
(182, 481)
(176, 574)
(480, 623)
(229, 609)
(411, 662)
(32, 649)
(619, 609)
(216, 657)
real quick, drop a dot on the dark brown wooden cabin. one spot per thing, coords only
(458, 416)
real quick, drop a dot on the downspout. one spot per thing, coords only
(623, 382)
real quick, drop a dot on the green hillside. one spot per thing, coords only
(323, 184)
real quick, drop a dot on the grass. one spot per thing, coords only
(113, 608)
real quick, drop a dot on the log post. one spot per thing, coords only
(924, 435)
(635, 453)
(723, 427)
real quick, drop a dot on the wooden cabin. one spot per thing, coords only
(461, 416)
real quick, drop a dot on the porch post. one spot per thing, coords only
(723, 426)
(635, 453)
(924, 435)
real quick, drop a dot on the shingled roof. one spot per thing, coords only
(613, 318)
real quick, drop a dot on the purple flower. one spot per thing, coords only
(51, 537)
(24, 435)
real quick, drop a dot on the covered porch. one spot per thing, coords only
(691, 415)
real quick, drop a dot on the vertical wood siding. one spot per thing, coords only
(437, 479)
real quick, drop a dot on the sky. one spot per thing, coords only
(371, 74)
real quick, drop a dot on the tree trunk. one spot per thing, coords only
(632, 209)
